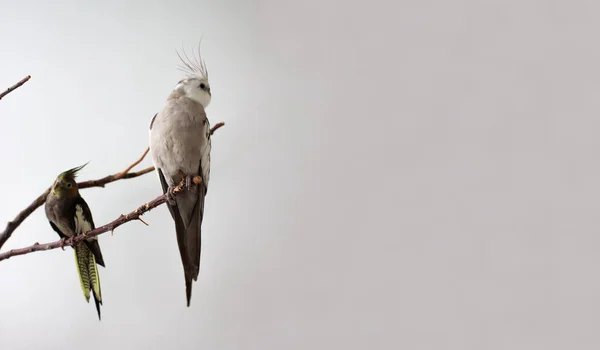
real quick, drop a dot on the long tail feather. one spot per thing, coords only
(88, 274)
(82, 263)
(188, 288)
(95, 248)
(95, 282)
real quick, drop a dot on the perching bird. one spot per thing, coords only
(180, 147)
(70, 215)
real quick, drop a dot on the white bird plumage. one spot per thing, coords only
(180, 143)
(196, 85)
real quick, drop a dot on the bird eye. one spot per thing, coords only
(202, 86)
(69, 185)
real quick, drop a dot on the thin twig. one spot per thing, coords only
(16, 86)
(112, 178)
(120, 175)
(111, 226)
(215, 127)
(39, 201)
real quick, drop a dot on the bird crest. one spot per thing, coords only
(71, 174)
(194, 67)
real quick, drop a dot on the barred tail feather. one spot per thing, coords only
(88, 274)
(95, 282)
(82, 262)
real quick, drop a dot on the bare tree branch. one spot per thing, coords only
(39, 201)
(125, 174)
(14, 87)
(18, 220)
(111, 226)
(112, 178)
(215, 127)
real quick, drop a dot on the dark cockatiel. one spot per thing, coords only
(70, 215)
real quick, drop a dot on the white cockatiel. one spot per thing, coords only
(180, 147)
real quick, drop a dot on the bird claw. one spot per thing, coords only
(189, 182)
(170, 199)
(62, 243)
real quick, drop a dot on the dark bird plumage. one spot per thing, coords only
(69, 215)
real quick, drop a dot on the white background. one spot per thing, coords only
(410, 175)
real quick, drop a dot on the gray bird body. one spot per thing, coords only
(180, 138)
(180, 142)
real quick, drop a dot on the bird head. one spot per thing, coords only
(65, 185)
(195, 86)
(196, 89)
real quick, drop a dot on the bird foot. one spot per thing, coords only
(62, 243)
(170, 199)
(188, 180)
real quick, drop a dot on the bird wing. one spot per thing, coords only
(194, 237)
(88, 255)
(179, 227)
(152, 121)
(84, 222)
